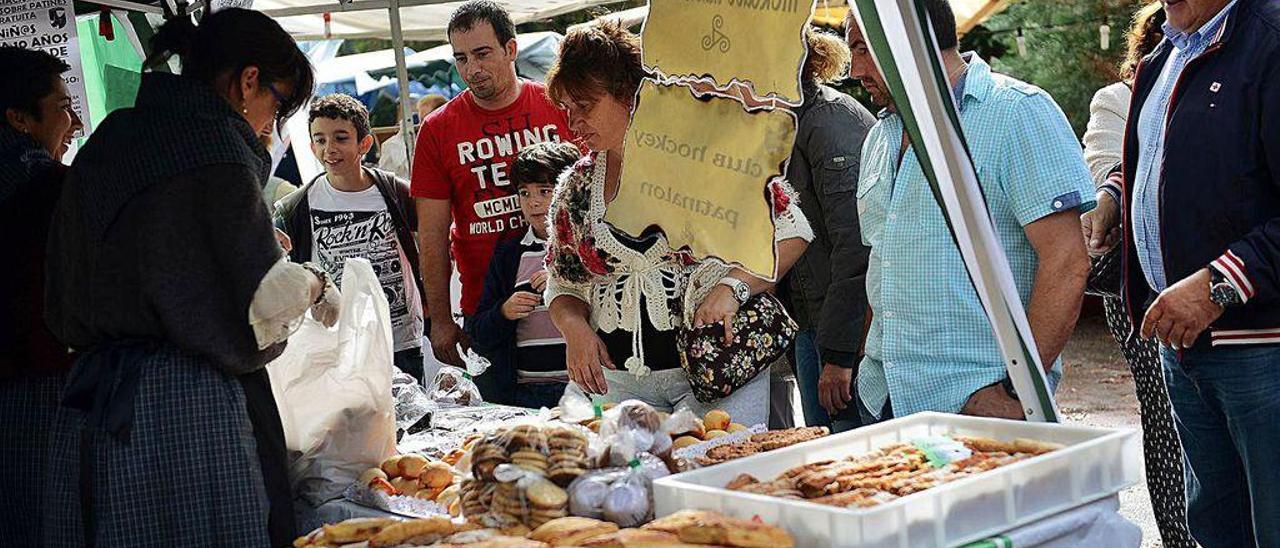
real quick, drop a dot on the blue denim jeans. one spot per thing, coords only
(1226, 402)
(409, 360)
(808, 370)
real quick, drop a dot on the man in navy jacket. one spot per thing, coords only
(1201, 192)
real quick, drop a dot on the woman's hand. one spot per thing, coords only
(719, 306)
(586, 356)
(1101, 225)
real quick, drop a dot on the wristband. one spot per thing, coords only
(324, 280)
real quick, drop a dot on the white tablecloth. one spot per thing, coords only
(1096, 525)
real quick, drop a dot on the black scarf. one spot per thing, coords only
(22, 160)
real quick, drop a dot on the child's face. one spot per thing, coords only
(534, 201)
(336, 145)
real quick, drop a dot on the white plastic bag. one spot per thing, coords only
(333, 388)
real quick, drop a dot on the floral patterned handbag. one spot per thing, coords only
(762, 331)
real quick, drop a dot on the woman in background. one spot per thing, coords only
(1103, 146)
(826, 290)
(37, 124)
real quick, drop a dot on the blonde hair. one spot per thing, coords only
(828, 57)
(434, 99)
(1144, 35)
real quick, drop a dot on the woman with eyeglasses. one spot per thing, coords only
(166, 278)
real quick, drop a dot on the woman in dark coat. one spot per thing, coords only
(166, 277)
(36, 125)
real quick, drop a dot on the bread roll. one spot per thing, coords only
(437, 475)
(391, 466)
(411, 465)
(367, 477)
(716, 419)
(685, 441)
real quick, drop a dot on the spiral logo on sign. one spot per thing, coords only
(710, 41)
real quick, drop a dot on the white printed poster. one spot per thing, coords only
(48, 25)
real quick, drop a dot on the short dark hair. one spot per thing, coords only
(468, 14)
(542, 163)
(944, 23)
(339, 106)
(33, 73)
(230, 40)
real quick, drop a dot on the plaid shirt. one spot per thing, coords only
(930, 345)
(1151, 130)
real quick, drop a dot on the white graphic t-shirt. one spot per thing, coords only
(357, 224)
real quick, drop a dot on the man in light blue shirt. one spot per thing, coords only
(930, 346)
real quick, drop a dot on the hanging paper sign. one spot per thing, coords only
(50, 26)
(224, 4)
(698, 169)
(756, 41)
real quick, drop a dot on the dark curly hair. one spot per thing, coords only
(339, 106)
(542, 163)
(38, 70)
(601, 57)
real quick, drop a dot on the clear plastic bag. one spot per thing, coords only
(453, 386)
(411, 403)
(333, 388)
(636, 427)
(621, 495)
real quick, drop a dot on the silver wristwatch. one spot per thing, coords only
(1221, 292)
(741, 290)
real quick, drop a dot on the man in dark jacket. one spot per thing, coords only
(826, 289)
(1202, 253)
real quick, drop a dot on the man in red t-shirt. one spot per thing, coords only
(462, 162)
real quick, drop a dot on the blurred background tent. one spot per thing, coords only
(371, 77)
(831, 13)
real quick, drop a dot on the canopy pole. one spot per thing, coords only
(407, 109)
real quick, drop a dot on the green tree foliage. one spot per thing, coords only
(1064, 56)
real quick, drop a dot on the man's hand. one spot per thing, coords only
(445, 338)
(539, 281)
(519, 305)
(719, 306)
(586, 356)
(993, 401)
(1101, 226)
(1182, 312)
(834, 388)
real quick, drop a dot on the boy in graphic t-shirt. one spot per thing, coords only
(512, 326)
(462, 166)
(356, 211)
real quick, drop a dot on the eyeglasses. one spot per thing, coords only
(280, 102)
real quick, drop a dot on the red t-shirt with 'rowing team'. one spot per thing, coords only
(464, 155)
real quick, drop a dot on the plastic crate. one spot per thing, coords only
(1096, 462)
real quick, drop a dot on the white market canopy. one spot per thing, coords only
(423, 20)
